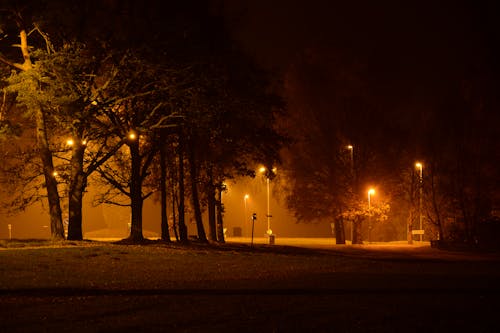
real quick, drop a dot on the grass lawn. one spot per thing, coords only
(101, 286)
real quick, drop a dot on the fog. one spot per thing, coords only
(108, 221)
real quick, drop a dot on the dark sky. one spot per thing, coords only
(414, 55)
(411, 48)
(413, 31)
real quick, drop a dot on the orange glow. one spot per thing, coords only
(54, 173)
(246, 197)
(350, 147)
(371, 191)
(132, 136)
(418, 165)
(262, 170)
(70, 142)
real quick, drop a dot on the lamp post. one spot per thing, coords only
(245, 198)
(351, 155)
(370, 193)
(269, 231)
(420, 167)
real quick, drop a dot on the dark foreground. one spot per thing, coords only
(118, 288)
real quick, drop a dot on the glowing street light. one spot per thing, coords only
(132, 136)
(70, 142)
(351, 154)
(371, 192)
(420, 168)
(245, 199)
(269, 231)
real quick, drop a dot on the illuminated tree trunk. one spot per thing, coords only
(136, 199)
(76, 188)
(182, 223)
(220, 223)
(56, 225)
(174, 217)
(165, 235)
(195, 197)
(212, 227)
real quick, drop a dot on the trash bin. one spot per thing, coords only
(271, 239)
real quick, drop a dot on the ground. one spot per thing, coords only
(312, 286)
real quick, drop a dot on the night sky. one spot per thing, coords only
(410, 49)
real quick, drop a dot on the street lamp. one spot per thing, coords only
(420, 168)
(269, 231)
(371, 192)
(245, 198)
(351, 154)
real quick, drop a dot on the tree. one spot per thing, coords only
(77, 79)
(145, 106)
(318, 167)
(30, 90)
(461, 174)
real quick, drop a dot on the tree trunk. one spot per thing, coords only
(212, 227)
(165, 235)
(357, 239)
(174, 207)
(409, 228)
(135, 193)
(76, 188)
(195, 197)
(56, 225)
(339, 230)
(182, 223)
(220, 224)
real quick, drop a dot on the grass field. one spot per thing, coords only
(100, 286)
